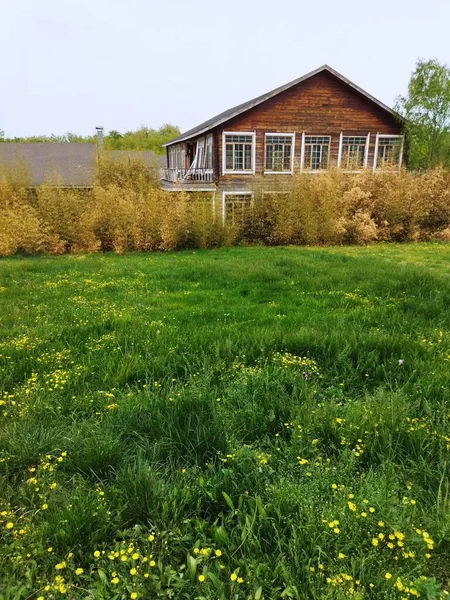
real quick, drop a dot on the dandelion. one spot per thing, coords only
(135, 556)
(133, 595)
(115, 580)
(351, 506)
(9, 525)
(61, 565)
(218, 552)
(151, 537)
(233, 576)
(240, 580)
(341, 556)
(79, 571)
(96, 554)
(133, 571)
(374, 542)
(152, 563)
(388, 576)
(44, 506)
(380, 523)
(201, 578)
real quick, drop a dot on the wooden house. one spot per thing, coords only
(316, 122)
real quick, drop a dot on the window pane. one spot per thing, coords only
(238, 157)
(237, 208)
(278, 152)
(248, 157)
(229, 157)
(287, 158)
(269, 157)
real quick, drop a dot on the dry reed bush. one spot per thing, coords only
(126, 210)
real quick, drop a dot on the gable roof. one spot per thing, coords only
(62, 164)
(241, 108)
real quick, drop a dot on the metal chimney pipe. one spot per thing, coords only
(99, 137)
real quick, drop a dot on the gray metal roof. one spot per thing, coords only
(241, 108)
(61, 164)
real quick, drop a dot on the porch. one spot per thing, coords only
(179, 175)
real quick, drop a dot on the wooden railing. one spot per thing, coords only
(186, 175)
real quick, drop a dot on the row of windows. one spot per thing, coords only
(239, 152)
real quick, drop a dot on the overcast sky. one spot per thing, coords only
(69, 65)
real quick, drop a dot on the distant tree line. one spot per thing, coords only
(144, 138)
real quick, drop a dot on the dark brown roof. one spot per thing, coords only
(61, 164)
(241, 108)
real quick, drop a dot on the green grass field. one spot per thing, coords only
(246, 423)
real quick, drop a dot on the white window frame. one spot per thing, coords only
(235, 193)
(366, 151)
(302, 156)
(292, 136)
(226, 171)
(388, 135)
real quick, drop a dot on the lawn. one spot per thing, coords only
(244, 423)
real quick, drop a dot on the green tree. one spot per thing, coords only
(426, 107)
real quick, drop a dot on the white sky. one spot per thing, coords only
(69, 65)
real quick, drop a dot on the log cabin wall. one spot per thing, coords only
(320, 105)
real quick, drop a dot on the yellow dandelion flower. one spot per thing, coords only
(96, 553)
(351, 506)
(380, 523)
(341, 556)
(115, 580)
(374, 542)
(233, 576)
(151, 538)
(387, 576)
(240, 580)
(152, 563)
(201, 578)
(133, 571)
(218, 553)
(79, 571)
(135, 556)
(9, 525)
(133, 595)
(44, 506)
